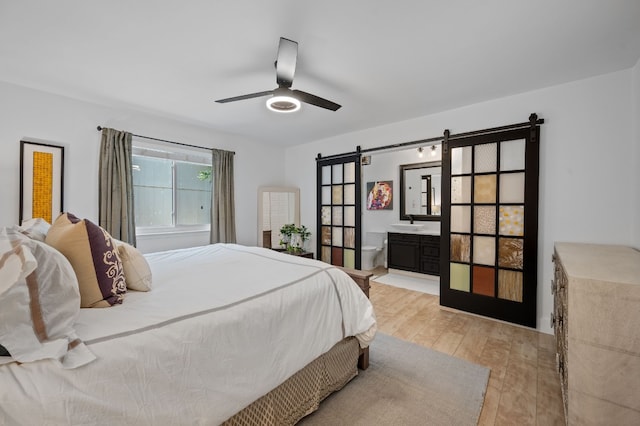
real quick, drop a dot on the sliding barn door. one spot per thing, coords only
(490, 224)
(339, 205)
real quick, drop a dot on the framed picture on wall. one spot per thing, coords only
(41, 180)
(380, 195)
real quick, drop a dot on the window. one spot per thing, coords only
(172, 189)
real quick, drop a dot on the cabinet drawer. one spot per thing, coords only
(403, 238)
(430, 254)
(430, 251)
(430, 240)
(431, 267)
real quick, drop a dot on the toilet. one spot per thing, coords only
(369, 255)
(371, 249)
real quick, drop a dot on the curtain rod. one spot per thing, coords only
(175, 143)
(533, 116)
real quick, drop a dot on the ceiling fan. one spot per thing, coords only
(285, 99)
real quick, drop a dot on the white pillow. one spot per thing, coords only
(39, 304)
(35, 228)
(16, 261)
(137, 273)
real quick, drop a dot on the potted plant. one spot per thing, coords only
(293, 237)
(285, 235)
(299, 237)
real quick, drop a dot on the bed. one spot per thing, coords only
(228, 333)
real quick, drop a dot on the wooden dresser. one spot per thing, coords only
(596, 322)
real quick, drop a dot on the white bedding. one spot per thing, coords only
(223, 325)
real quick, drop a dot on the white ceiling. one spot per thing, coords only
(383, 61)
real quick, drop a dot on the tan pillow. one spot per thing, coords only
(94, 258)
(137, 273)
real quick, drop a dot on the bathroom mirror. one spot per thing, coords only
(277, 206)
(420, 197)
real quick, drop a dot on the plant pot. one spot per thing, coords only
(296, 242)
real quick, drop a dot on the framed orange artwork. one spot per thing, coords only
(41, 180)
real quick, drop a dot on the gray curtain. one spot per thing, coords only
(223, 211)
(116, 214)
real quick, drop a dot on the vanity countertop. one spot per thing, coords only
(418, 232)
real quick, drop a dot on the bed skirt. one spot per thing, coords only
(302, 393)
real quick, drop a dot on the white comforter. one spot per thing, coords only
(223, 325)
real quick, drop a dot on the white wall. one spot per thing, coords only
(635, 183)
(27, 113)
(384, 166)
(585, 169)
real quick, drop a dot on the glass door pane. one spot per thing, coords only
(489, 225)
(339, 211)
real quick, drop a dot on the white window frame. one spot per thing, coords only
(173, 153)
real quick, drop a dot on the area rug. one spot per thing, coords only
(423, 285)
(407, 384)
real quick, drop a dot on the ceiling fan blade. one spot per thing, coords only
(286, 62)
(315, 100)
(243, 97)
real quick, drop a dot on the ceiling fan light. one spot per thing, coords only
(283, 104)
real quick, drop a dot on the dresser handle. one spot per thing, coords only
(559, 364)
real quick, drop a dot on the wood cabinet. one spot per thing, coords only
(403, 251)
(414, 252)
(596, 323)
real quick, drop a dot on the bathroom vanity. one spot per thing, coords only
(414, 252)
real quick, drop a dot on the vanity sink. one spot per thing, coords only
(411, 227)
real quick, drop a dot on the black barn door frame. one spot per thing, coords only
(524, 312)
(331, 161)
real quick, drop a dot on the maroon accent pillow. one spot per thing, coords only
(94, 258)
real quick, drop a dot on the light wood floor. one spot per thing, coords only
(524, 388)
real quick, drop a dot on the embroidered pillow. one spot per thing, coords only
(39, 303)
(94, 258)
(137, 273)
